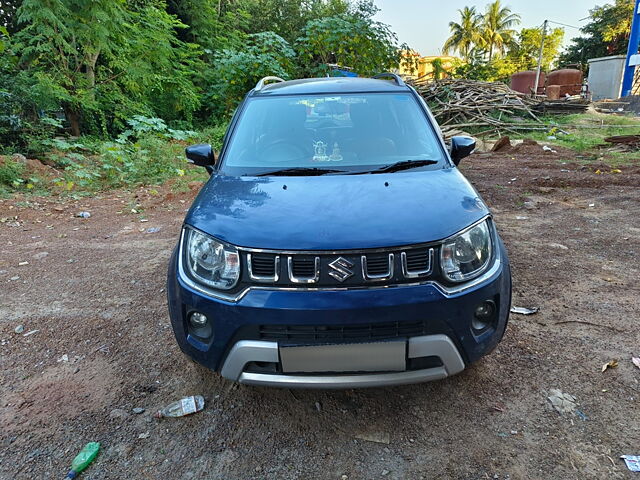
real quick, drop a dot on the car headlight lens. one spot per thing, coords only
(467, 255)
(210, 262)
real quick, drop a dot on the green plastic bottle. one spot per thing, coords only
(83, 459)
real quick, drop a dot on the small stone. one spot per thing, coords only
(318, 406)
(15, 278)
(19, 158)
(344, 477)
(76, 370)
(22, 264)
(83, 215)
(558, 246)
(258, 468)
(385, 473)
(138, 410)
(64, 358)
(529, 205)
(40, 255)
(19, 329)
(144, 435)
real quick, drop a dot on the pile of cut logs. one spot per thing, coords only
(623, 143)
(487, 107)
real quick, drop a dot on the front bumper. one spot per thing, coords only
(247, 351)
(238, 343)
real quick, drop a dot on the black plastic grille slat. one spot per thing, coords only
(378, 264)
(263, 265)
(417, 260)
(342, 332)
(304, 267)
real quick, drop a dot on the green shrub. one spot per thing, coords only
(11, 173)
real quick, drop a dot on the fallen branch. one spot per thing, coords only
(592, 324)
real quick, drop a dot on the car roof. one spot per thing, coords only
(329, 85)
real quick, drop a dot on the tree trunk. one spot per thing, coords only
(92, 59)
(74, 120)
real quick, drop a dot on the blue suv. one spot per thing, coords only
(336, 244)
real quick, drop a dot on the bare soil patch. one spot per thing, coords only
(94, 291)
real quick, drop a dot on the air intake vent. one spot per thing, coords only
(263, 267)
(304, 267)
(417, 262)
(362, 332)
(378, 264)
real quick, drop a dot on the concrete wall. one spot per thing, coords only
(605, 77)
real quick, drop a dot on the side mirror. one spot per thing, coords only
(461, 147)
(201, 155)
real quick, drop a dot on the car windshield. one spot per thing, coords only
(317, 134)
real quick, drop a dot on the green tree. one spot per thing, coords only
(288, 18)
(213, 24)
(465, 35)
(607, 33)
(8, 10)
(523, 53)
(497, 28)
(104, 56)
(352, 40)
(235, 72)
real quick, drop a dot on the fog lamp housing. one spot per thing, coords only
(200, 326)
(198, 320)
(484, 315)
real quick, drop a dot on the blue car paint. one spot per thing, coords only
(336, 212)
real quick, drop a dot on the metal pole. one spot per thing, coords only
(544, 34)
(634, 42)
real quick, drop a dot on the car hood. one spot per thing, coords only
(336, 212)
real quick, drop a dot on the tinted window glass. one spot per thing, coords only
(345, 132)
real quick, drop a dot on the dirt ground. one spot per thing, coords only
(97, 343)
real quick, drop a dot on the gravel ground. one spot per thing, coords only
(97, 343)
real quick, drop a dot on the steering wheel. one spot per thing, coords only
(282, 151)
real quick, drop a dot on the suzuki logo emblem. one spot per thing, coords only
(341, 269)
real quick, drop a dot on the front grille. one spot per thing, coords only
(346, 269)
(418, 260)
(364, 332)
(263, 265)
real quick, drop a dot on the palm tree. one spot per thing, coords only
(466, 34)
(496, 27)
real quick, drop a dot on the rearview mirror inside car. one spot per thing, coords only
(461, 147)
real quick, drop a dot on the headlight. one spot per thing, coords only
(467, 255)
(210, 262)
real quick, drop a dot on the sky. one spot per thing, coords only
(424, 24)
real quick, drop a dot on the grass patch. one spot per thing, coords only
(88, 165)
(585, 134)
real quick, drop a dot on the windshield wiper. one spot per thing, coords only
(396, 167)
(299, 171)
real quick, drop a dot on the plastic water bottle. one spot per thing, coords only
(83, 459)
(186, 406)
